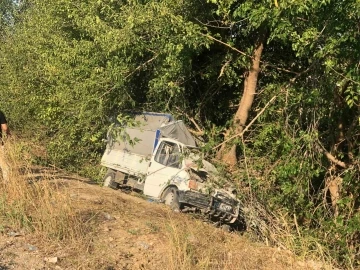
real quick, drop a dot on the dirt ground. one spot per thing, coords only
(131, 232)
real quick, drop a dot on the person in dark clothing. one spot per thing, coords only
(3, 162)
(4, 127)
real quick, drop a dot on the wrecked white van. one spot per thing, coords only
(158, 156)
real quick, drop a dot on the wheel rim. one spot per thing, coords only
(169, 198)
(107, 181)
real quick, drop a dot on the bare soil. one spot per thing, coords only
(131, 232)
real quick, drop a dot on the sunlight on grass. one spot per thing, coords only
(32, 201)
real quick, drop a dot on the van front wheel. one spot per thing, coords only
(171, 198)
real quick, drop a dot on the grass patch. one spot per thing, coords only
(31, 201)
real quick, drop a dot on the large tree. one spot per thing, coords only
(303, 58)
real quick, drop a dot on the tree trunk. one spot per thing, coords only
(246, 101)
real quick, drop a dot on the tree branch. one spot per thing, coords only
(131, 73)
(223, 68)
(245, 54)
(199, 131)
(330, 156)
(142, 65)
(249, 125)
(227, 45)
(345, 77)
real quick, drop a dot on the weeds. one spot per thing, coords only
(134, 231)
(153, 227)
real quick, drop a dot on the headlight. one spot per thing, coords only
(225, 207)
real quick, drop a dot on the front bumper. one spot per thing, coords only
(219, 206)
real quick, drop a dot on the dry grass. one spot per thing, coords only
(282, 230)
(90, 227)
(196, 245)
(31, 202)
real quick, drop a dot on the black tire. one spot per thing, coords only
(171, 197)
(109, 180)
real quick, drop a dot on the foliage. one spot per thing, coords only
(6, 8)
(69, 67)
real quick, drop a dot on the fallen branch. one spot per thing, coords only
(199, 131)
(249, 125)
(196, 133)
(330, 156)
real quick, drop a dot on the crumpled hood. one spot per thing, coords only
(206, 166)
(205, 173)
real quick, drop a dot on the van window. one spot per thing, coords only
(168, 155)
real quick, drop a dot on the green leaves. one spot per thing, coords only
(67, 67)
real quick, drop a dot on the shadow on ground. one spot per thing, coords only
(41, 173)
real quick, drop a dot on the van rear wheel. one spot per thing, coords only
(109, 180)
(171, 198)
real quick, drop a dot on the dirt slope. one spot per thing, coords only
(130, 232)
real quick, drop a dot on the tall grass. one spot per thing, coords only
(192, 244)
(33, 201)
